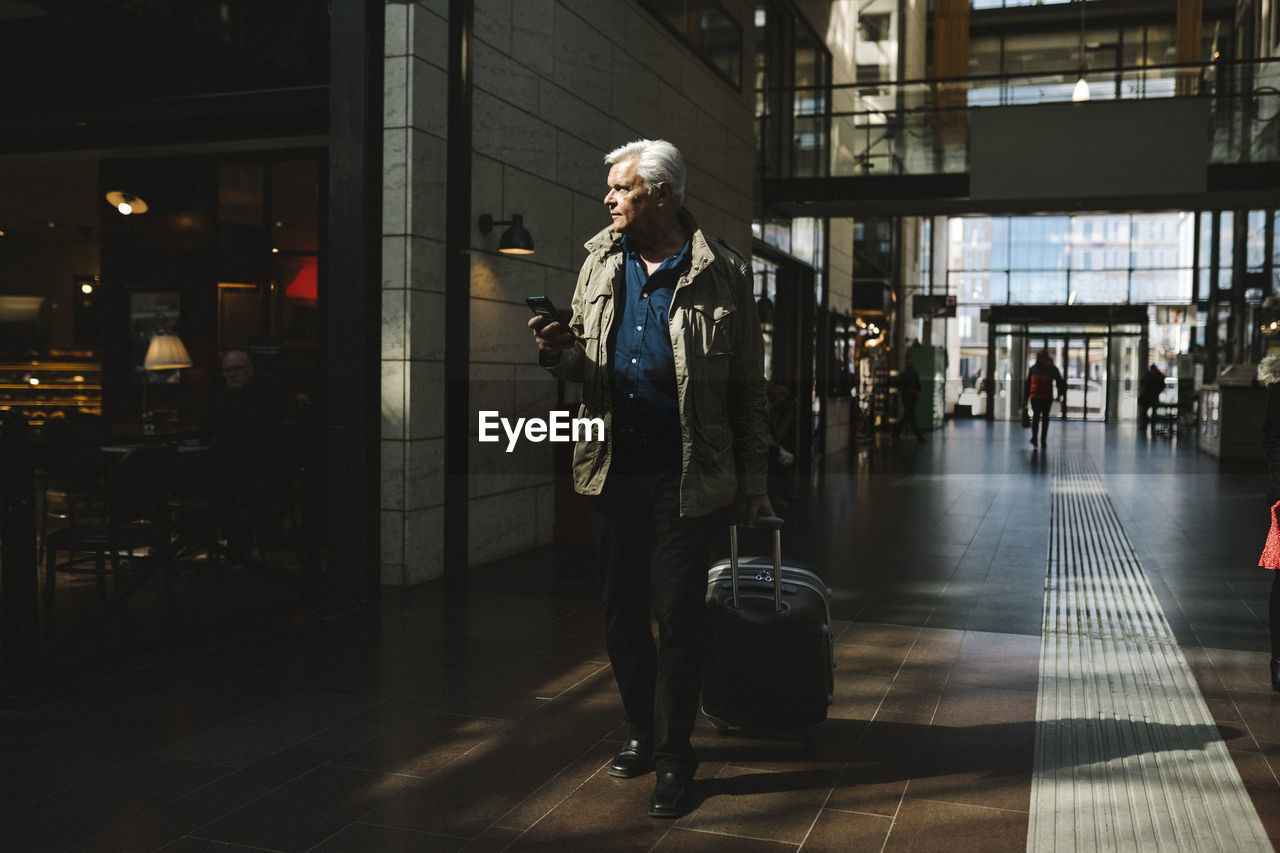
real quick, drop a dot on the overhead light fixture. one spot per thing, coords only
(515, 240)
(1080, 93)
(126, 203)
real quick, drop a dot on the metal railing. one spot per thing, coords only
(918, 127)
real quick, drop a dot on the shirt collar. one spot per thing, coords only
(676, 260)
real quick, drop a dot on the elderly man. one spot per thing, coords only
(666, 342)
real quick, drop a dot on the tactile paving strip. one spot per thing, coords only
(1127, 756)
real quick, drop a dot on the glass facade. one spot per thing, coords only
(793, 94)
(709, 30)
(1104, 259)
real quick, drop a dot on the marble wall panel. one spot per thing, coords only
(582, 57)
(425, 325)
(428, 100)
(492, 22)
(429, 174)
(502, 524)
(424, 546)
(504, 77)
(506, 278)
(392, 481)
(424, 473)
(395, 400)
(426, 264)
(425, 386)
(513, 136)
(533, 36)
(567, 112)
(394, 324)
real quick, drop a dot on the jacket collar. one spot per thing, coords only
(608, 241)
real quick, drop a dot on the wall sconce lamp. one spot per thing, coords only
(126, 203)
(515, 240)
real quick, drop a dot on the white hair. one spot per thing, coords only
(656, 161)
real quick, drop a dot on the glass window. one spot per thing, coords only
(1275, 238)
(1206, 237)
(240, 193)
(1028, 288)
(984, 55)
(1169, 286)
(708, 29)
(1226, 245)
(1256, 241)
(1098, 259)
(973, 332)
(984, 288)
(1106, 287)
(1038, 242)
(926, 249)
(295, 188)
(1038, 53)
(875, 26)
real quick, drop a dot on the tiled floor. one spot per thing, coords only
(484, 721)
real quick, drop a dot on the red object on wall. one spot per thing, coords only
(303, 286)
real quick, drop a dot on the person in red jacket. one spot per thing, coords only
(1042, 380)
(1269, 378)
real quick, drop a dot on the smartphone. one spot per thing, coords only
(542, 306)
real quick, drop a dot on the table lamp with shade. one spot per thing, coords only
(165, 352)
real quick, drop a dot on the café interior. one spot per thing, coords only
(163, 223)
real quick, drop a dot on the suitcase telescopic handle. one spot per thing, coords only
(769, 522)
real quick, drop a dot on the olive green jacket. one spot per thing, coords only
(719, 361)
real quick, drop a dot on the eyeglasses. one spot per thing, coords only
(234, 369)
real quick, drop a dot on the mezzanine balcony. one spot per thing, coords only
(1183, 136)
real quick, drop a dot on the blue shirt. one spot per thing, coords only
(644, 367)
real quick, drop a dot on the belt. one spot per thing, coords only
(631, 437)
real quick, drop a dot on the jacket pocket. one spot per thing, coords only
(710, 337)
(711, 326)
(594, 321)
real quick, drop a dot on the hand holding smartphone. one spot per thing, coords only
(541, 306)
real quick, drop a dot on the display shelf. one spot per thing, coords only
(46, 389)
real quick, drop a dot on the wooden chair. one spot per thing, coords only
(134, 524)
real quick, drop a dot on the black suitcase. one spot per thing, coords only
(769, 656)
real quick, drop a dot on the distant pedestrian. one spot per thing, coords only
(1042, 380)
(1149, 391)
(909, 393)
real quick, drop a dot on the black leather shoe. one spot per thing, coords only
(671, 796)
(634, 759)
(1275, 674)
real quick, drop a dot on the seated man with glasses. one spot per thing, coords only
(246, 438)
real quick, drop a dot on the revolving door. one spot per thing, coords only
(1100, 363)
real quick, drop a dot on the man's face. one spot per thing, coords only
(628, 200)
(237, 370)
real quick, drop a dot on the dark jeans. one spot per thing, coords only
(1040, 417)
(654, 561)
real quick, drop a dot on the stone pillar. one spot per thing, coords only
(413, 292)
